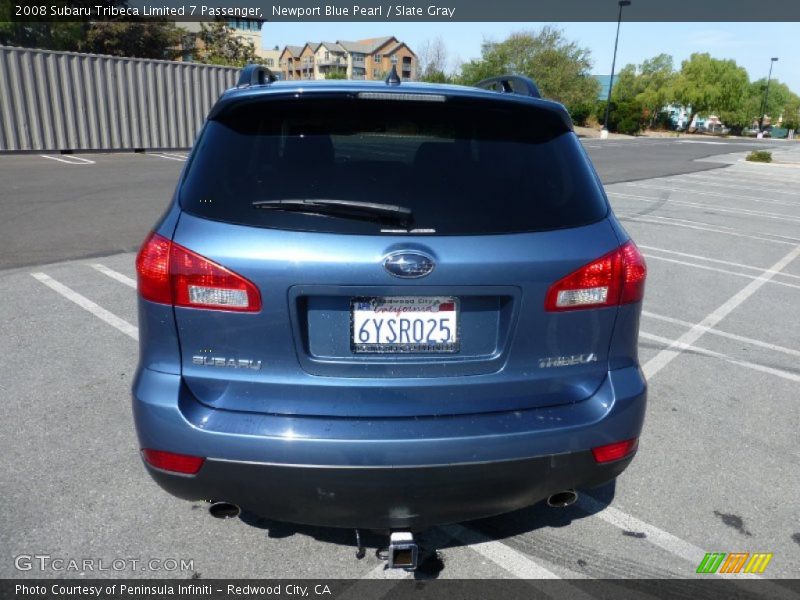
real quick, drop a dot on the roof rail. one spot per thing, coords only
(510, 84)
(255, 75)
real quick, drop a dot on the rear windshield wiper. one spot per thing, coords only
(349, 209)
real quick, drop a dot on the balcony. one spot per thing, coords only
(333, 61)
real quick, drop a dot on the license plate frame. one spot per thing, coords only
(399, 348)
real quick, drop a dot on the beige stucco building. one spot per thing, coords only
(363, 59)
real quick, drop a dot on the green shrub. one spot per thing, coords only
(580, 113)
(760, 156)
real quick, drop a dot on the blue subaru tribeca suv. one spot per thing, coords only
(387, 306)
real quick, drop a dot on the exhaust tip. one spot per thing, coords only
(562, 499)
(224, 510)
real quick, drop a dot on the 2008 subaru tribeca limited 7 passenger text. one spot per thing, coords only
(387, 306)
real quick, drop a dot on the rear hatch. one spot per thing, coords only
(431, 303)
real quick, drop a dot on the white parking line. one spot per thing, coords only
(649, 256)
(626, 522)
(656, 220)
(115, 275)
(716, 207)
(73, 160)
(86, 304)
(692, 190)
(742, 363)
(714, 260)
(168, 156)
(516, 563)
(666, 356)
(725, 334)
(675, 545)
(713, 181)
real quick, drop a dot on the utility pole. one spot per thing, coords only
(621, 3)
(772, 61)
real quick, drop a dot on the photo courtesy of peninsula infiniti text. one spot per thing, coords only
(387, 305)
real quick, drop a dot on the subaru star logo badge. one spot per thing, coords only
(408, 265)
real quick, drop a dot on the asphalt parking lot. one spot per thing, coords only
(718, 468)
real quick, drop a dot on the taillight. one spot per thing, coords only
(615, 451)
(613, 279)
(170, 461)
(168, 273)
(152, 269)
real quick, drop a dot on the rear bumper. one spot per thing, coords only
(384, 498)
(386, 473)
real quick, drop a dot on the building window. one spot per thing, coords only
(270, 62)
(377, 58)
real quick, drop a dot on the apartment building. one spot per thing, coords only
(369, 59)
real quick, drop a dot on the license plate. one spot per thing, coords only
(404, 324)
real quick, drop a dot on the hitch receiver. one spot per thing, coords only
(403, 551)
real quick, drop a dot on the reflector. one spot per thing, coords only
(615, 451)
(170, 461)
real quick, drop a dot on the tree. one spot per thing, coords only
(217, 45)
(139, 39)
(711, 85)
(656, 85)
(781, 101)
(791, 112)
(432, 57)
(336, 74)
(56, 35)
(560, 68)
(640, 94)
(627, 114)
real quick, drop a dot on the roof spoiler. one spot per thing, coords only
(510, 84)
(253, 74)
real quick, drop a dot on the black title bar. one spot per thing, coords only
(409, 10)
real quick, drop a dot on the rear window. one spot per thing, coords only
(461, 166)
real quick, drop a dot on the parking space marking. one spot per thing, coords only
(716, 269)
(741, 211)
(714, 260)
(667, 355)
(381, 572)
(73, 160)
(168, 156)
(516, 563)
(656, 220)
(695, 191)
(86, 304)
(755, 176)
(117, 275)
(742, 363)
(624, 521)
(714, 181)
(725, 334)
(669, 542)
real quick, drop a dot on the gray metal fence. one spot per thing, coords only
(68, 101)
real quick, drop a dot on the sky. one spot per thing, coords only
(751, 45)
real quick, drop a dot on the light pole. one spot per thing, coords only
(614, 64)
(772, 61)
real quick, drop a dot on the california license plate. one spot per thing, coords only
(404, 324)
